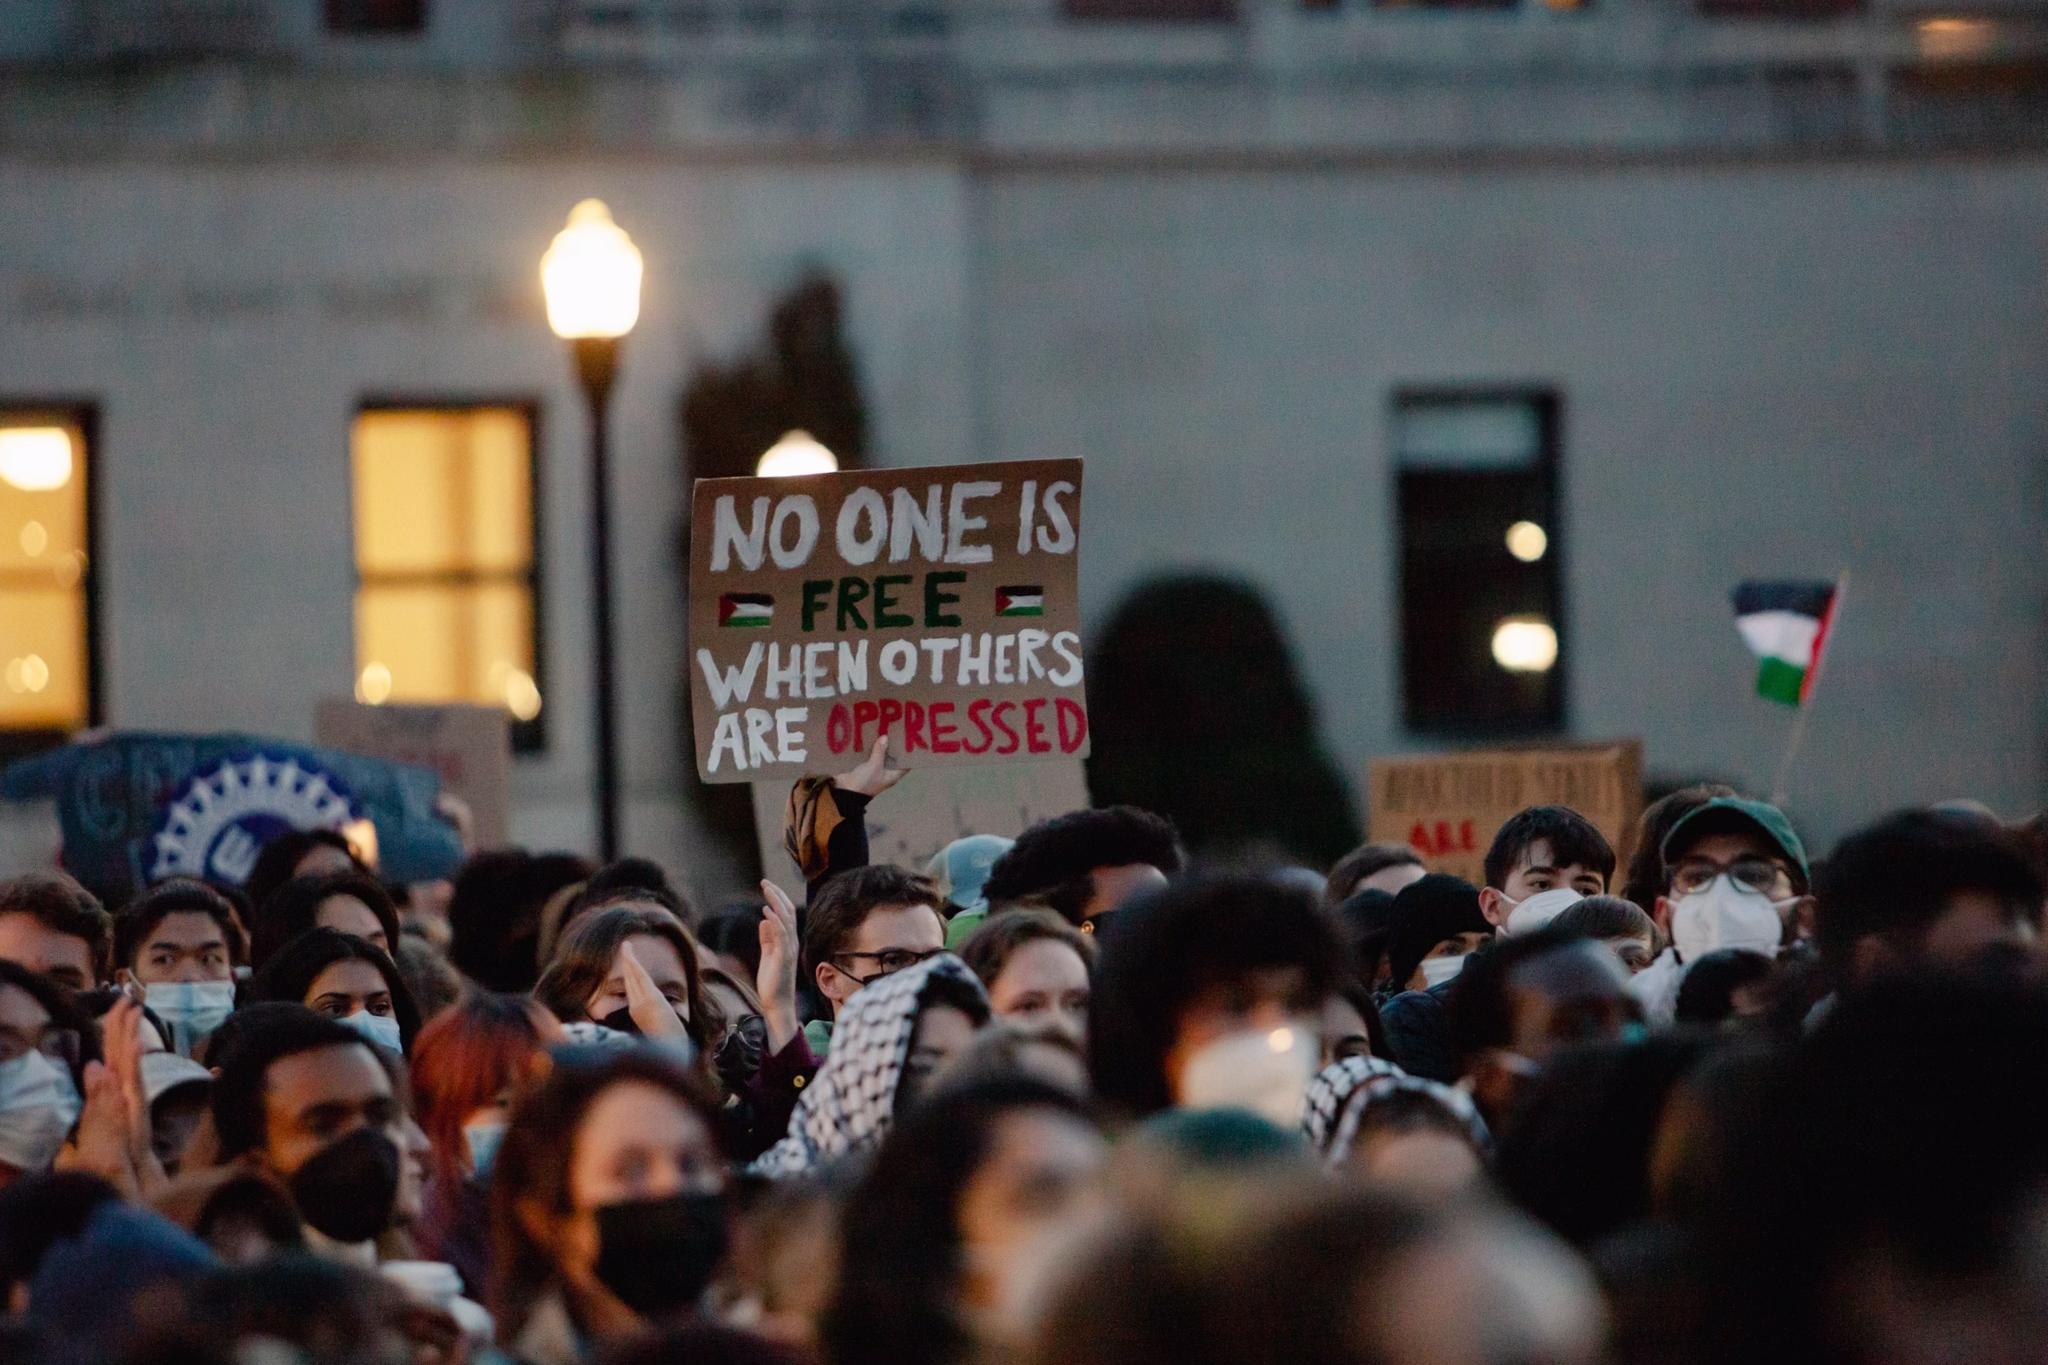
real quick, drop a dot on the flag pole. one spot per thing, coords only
(1798, 735)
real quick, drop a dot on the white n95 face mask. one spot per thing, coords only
(193, 1009)
(1437, 970)
(1725, 916)
(38, 1105)
(1533, 912)
(1265, 1072)
(381, 1029)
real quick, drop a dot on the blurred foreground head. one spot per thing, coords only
(1330, 1278)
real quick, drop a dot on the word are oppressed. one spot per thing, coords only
(937, 606)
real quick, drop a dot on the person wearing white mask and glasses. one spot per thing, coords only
(1735, 876)
(44, 1045)
(176, 947)
(346, 978)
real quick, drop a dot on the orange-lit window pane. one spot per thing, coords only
(45, 663)
(444, 558)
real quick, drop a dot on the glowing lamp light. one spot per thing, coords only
(1525, 644)
(373, 684)
(798, 452)
(1527, 541)
(1281, 1040)
(35, 459)
(591, 276)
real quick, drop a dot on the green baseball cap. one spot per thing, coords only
(1734, 812)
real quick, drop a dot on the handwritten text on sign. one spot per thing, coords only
(936, 606)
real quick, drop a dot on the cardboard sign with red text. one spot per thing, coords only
(1449, 806)
(929, 809)
(938, 606)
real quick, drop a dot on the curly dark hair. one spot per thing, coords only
(1050, 862)
(1164, 952)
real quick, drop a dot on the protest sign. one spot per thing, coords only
(138, 805)
(938, 606)
(470, 746)
(1449, 806)
(930, 808)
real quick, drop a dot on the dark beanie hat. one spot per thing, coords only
(1425, 914)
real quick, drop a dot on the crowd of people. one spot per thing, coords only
(1062, 1100)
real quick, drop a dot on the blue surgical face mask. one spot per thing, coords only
(193, 1009)
(381, 1029)
(483, 1140)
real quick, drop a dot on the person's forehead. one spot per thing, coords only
(188, 928)
(343, 1074)
(19, 1009)
(657, 956)
(635, 1114)
(346, 903)
(898, 926)
(351, 974)
(1724, 846)
(20, 928)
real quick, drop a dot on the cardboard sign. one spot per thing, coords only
(469, 746)
(938, 606)
(929, 809)
(1449, 806)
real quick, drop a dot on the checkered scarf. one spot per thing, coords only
(1373, 1091)
(1330, 1088)
(848, 1106)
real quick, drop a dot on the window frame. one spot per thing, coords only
(1547, 401)
(529, 737)
(84, 413)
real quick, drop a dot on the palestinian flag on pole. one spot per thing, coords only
(745, 609)
(1786, 625)
(1023, 599)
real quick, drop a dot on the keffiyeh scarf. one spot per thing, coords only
(849, 1104)
(1372, 1092)
(1329, 1090)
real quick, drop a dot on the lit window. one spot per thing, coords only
(445, 560)
(1481, 618)
(46, 660)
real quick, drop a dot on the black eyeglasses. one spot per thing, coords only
(888, 962)
(60, 1045)
(1751, 874)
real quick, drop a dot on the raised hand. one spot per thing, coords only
(649, 1008)
(776, 980)
(874, 776)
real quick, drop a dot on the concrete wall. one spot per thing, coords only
(230, 318)
(1767, 369)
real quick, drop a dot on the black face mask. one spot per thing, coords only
(739, 1056)
(620, 1020)
(658, 1254)
(348, 1189)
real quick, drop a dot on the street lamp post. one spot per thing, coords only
(591, 276)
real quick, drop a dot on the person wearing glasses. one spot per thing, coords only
(866, 924)
(44, 1046)
(1735, 876)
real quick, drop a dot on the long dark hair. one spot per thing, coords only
(584, 960)
(899, 1279)
(292, 969)
(294, 908)
(539, 1150)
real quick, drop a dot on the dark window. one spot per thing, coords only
(447, 576)
(376, 16)
(49, 662)
(1165, 11)
(1481, 613)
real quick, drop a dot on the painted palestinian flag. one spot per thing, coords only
(1024, 599)
(745, 609)
(1786, 625)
